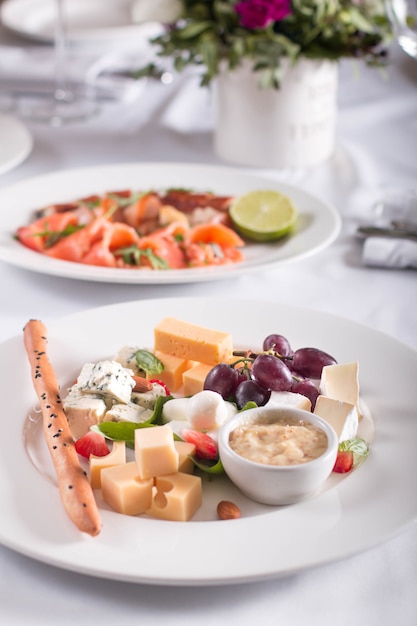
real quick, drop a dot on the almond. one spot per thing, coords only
(228, 510)
(141, 385)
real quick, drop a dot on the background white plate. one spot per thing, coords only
(16, 143)
(353, 512)
(87, 20)
(317, 227)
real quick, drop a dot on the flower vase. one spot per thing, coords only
(289, 127)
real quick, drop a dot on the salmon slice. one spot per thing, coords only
(167, 244)
(39, 235)
(215, 233)
(145, 208)
(75, 246)
(114, 237)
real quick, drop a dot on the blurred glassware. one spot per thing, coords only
(63, 105)
(403, 16)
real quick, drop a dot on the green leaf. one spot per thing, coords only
(213, 469)
(148, 362)
(52, 237)
(121, 431)
(249, 405)
(358, 446)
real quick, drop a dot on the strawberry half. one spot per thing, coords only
(162, 384)
(91, 443)
(344, 462)
(205, 446)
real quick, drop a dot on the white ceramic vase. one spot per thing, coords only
(293, 127)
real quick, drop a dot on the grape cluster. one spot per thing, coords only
(277, 367)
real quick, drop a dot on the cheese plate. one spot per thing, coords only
(349, 515)
(317, 226)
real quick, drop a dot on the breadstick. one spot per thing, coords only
(74, 487)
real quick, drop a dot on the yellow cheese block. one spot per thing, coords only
(176, 497)
(174, 369)
(155, 453)
(187, 341)
(124, 490)
(193, 379)
(116, 456)
(185, 451)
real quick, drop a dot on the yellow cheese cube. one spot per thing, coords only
(116, 456)
(185, 451)
(187, 341)
(155, 453)
(174, 369)
(193, 379)
(176, 497)
(124, 490)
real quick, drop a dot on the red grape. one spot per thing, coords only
(251, 391)
(277, 343)
(272, 373)
(222, 378)
(309, 362)
(308, 389)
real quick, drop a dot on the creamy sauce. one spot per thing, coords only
(287, 441)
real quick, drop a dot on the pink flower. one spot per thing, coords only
(260, 13)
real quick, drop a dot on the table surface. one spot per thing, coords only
(376, 150)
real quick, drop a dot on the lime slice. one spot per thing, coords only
(263, 215)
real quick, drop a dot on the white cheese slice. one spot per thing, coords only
(341, 382)
(128, 413)
(288, 398)
(343, 416)
(83, 411)
(107, 378)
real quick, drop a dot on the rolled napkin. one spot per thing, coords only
(390, 252)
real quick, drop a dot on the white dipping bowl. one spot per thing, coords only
(276, 484)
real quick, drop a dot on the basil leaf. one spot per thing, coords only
(121, 431)
(148, 362)
(358, 446)
(213, 469)
(249, 405)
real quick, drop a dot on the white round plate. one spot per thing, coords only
(352, 513)
(16, 143)
(317, 227)
(87, 20)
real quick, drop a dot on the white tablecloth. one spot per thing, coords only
(376, 151)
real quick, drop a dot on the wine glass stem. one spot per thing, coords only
(61, 92)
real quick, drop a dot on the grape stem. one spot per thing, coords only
(251, 356)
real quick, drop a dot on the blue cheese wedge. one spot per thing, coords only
(83, 411)
(107, 378)
(128, 413)
(148, 399)
(343, 416)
